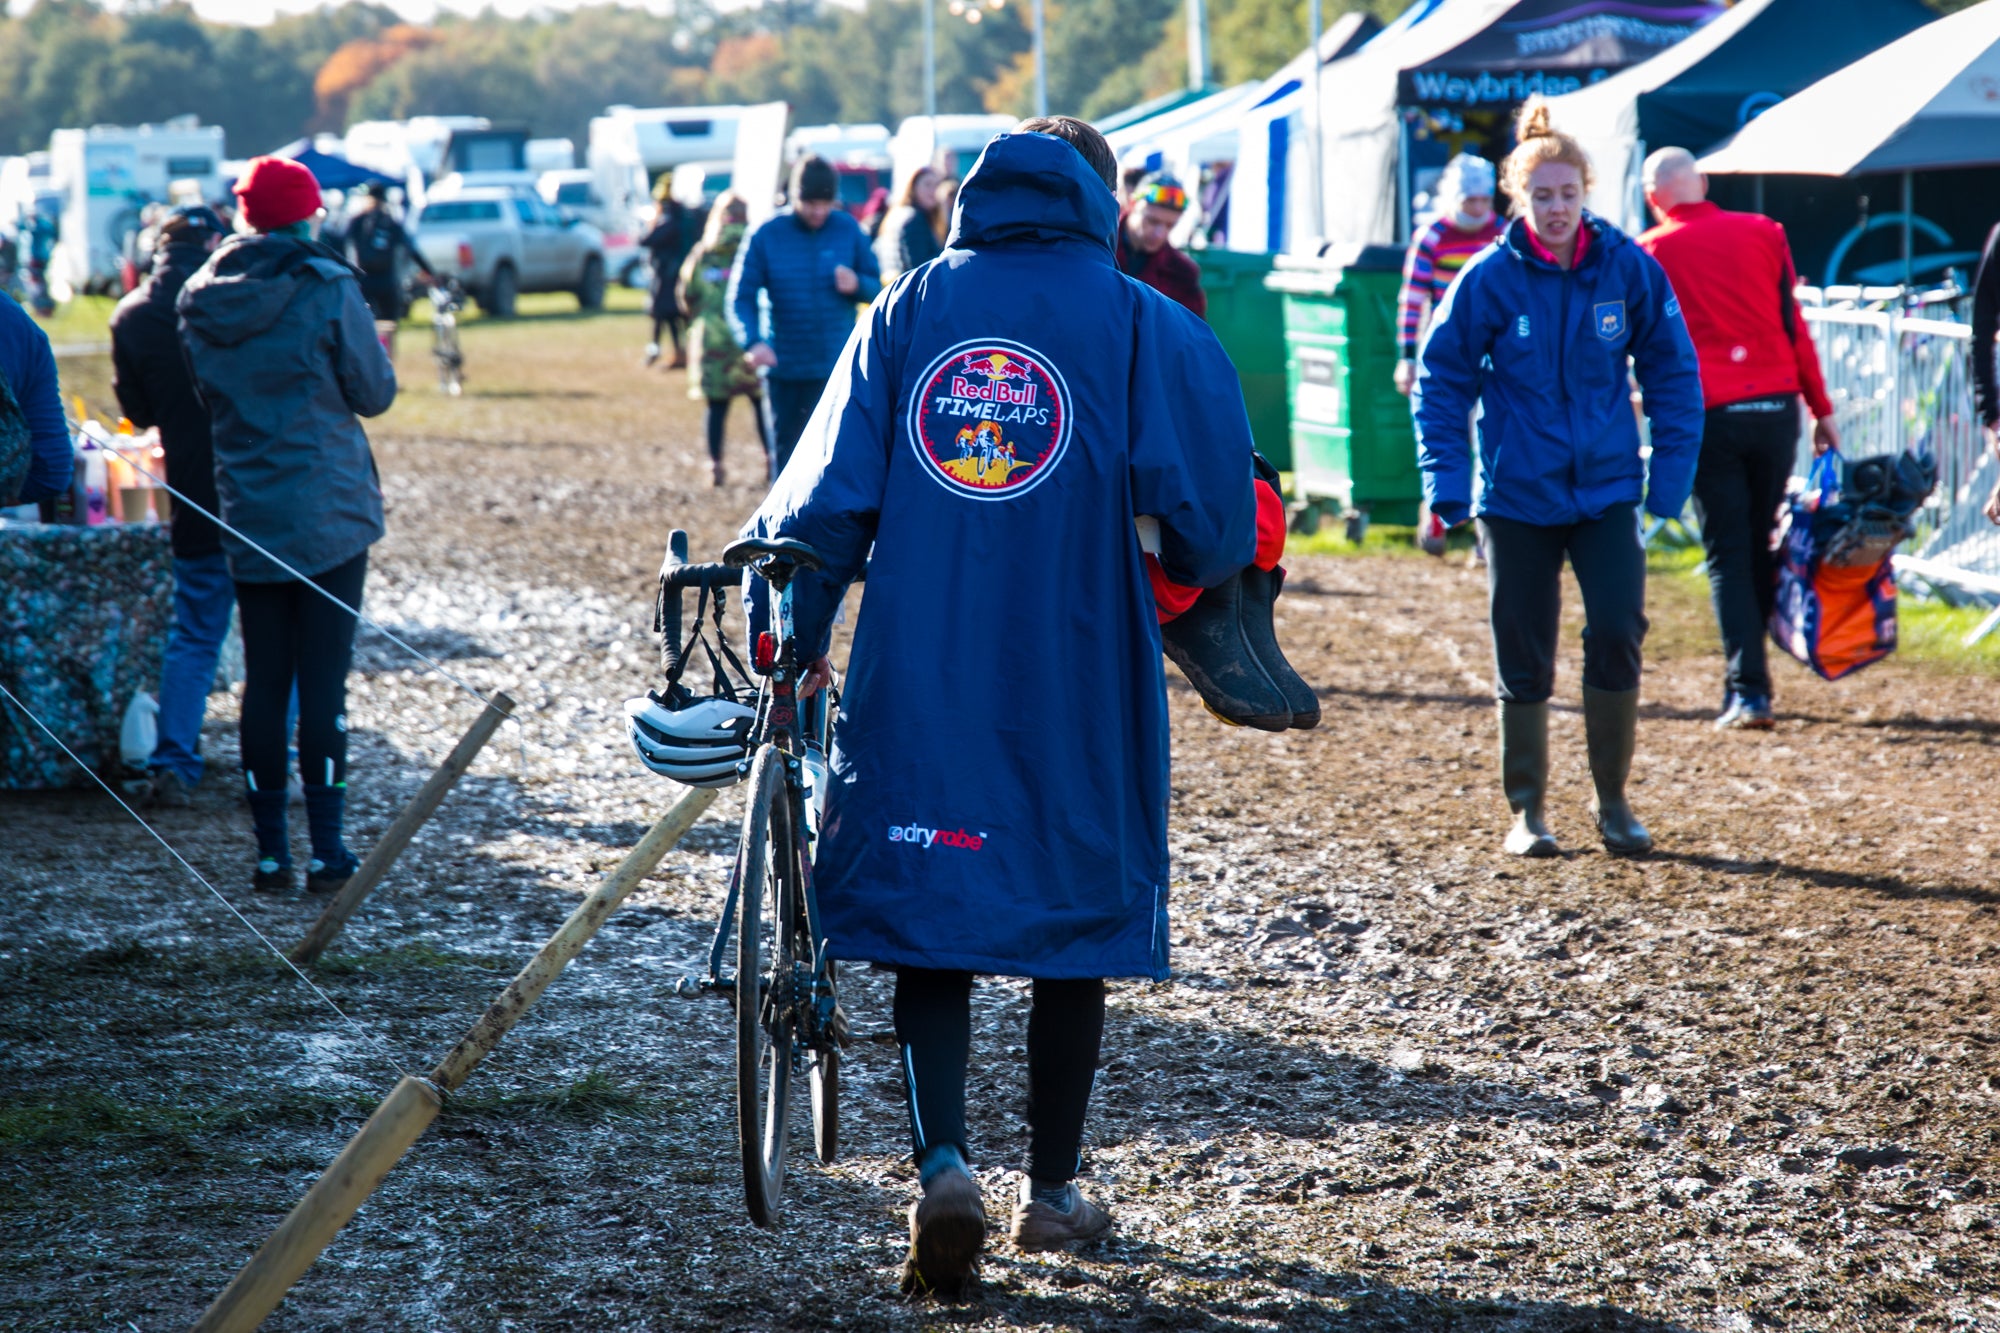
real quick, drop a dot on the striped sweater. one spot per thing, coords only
(1435, 259)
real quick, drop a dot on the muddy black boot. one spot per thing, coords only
(1524, 774)
(1610, 729)
(1260, 594)
(1206, 642)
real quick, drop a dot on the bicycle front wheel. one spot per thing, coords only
(767, 867)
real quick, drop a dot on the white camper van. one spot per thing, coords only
(631, 147)
(410, 150)
(106, 175)
(950, 144)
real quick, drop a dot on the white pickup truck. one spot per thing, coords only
(500, 241)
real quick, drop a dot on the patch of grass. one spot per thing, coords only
(415, 957)
(123, 955)
(1933, 633)
(87, 319)
(1667, 560)
(83, 1116)
(594, 1097)
(1928, 632)
(1380, 539)
(534, 308)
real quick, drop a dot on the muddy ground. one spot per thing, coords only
(1397, 1082)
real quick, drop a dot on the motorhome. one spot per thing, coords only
(630, 148)
(950, 144)
(106, 175)
(412, 151)
(859, 154)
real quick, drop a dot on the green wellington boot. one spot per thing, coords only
(1610, 729)
(1524, 774)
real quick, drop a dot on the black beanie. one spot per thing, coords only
(813, 178)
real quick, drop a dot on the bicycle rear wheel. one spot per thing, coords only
(767, 866)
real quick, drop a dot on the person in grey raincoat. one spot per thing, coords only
(999, 783)
(284, 353)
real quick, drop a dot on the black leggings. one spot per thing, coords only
(672, 324)
(718, 416)
(1524, 563)
(292, 633)
(1747, 451)
(1065, 1030)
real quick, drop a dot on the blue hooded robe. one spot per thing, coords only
(999, 793)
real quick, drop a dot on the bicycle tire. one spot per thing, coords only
(823, 1078)
(763, 1120)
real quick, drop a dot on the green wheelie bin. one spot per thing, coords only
(1248, 321)
(1352, 442)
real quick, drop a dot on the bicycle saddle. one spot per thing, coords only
(781, 553)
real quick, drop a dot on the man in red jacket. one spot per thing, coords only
(1734, 277)
(1145, 253)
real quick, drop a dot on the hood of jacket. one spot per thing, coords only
(173, 265)
(250, 281)
(1033, 189)
(1604, 239)
(727, 242)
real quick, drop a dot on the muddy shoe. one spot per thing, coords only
(1043, 1226)
(166, 791)
(1260, 596)
(330, 876)
(272, 876)
(947, 1231)
(1206, 642)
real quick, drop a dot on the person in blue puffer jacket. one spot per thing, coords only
(1541, 333)
(999, 790)
(813, 266)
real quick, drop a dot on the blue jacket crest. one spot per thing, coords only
(999, 795)
(1543, 352)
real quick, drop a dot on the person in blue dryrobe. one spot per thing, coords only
(1543, 332)
(999, 784)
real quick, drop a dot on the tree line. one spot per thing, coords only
(74, 62)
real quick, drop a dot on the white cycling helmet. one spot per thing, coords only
(699, 743)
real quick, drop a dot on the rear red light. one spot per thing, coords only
(465, 255)
(767, 651)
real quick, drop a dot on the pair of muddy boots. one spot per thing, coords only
(948, 1228)
(1610, 728)
(1227, 646)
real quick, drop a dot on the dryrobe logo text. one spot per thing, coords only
(927, 838)
(990, 419)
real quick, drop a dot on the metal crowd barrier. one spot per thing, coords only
(1901, 380)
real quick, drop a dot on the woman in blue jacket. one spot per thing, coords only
(1537, 335)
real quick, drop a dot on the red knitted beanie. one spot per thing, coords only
(276, 192)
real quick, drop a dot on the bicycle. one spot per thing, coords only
(788, 1016)
(446, 302)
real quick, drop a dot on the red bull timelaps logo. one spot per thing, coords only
(990, 419)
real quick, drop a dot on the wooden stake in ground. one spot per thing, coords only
(397, 836)
(408, 1111)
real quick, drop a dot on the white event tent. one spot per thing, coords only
(1699, 91)
(1928, 102)
(1270, 195)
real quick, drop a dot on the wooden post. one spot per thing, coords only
(402, 1118)
(397, 836)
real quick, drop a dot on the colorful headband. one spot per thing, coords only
(1163, 193)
